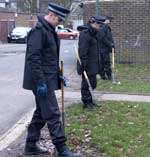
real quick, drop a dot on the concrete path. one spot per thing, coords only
(76, 96)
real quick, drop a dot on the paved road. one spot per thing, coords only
(7, 49)
(14, 101)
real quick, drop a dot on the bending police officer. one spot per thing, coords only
(88, 53)
(41, 75)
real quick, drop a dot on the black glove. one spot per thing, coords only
(84, 65)
(81, 67)
(113, 45)
(42, 90)
(65, 80)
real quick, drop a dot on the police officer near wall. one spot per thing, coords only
(88, 53)
(41, 75)
(106, 43)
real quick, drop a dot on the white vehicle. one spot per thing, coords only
(18, 34)
(59, 27)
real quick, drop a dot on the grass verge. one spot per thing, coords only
(117, 129)
(133, 78)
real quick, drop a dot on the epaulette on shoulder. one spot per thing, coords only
(38, 25)
(86, 30)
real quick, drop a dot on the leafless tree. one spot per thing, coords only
(28, 6)
(31, 6)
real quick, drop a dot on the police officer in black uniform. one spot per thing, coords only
(82, 27)
(88, 53)
(106, 43)
(41, 75)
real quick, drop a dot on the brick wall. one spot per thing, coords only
(131, 25)
(21, 20)
(8, 21)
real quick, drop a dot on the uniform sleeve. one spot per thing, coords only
(112, 40)
(34, 57)
(83, 48)
(107, 37)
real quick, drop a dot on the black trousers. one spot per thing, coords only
(86, 96)
(47, 112)
(105, 65)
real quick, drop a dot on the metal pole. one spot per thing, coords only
(97, 7)
(114, 80)
(38, 6)
(62, 96)
(84, 73)
(113, 66)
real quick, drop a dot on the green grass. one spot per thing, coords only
(118, 129)
(133, 78)
(127, 56)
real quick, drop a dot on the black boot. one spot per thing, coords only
(103, 77)
(34, 149)
(65, 152)
(109, 76)
(94, 104)
(89, 106)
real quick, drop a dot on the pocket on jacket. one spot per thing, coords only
(52, 69)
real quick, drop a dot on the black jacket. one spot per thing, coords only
(42, 56)
(106, 42)
(88, 51)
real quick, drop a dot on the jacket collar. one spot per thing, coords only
(47, 25)
(92, 31)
